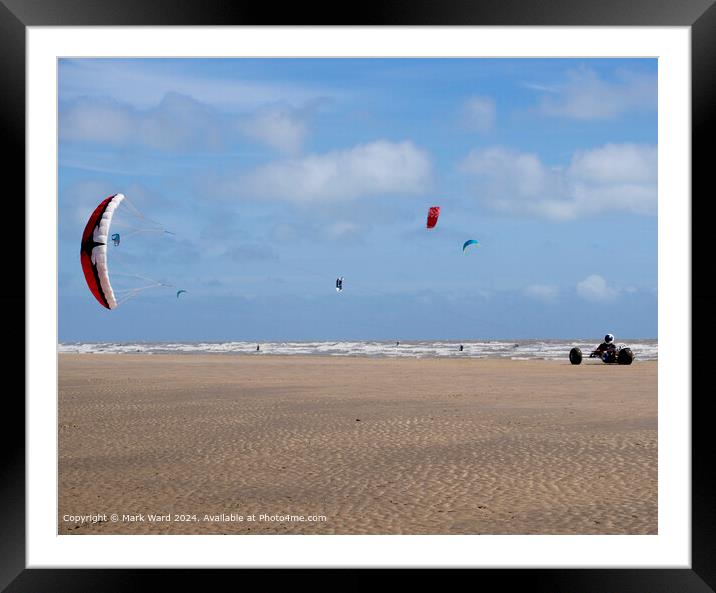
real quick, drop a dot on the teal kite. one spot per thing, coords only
(179, 292)
(470, 242)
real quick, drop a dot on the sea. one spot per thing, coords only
(643, 349)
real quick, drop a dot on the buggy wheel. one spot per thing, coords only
(625, 356)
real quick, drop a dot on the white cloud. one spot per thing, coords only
(381, 167)
(594, 288)
(479, 114)
(143, 84)
(612, 177)
(250, 252)
(586, 96)
(281, 128)
(178, 122)
(542, 292)
(615, 163)
(99, 121)
(541, 87)
(342, 230)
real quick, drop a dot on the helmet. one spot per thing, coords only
(609, 338)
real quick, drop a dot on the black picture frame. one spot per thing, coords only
(17, 15)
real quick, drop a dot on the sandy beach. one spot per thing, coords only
(211, 444)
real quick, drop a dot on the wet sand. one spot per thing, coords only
(181, 444)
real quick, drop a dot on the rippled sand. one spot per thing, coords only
(376, 446)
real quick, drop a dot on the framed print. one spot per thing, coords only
(343, 282)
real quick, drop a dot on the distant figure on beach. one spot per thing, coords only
(461, 348)
(397, 343)
(257, 348)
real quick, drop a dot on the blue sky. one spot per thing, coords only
(275, 176)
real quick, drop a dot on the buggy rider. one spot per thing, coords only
(607, 349)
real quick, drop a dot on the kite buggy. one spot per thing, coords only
(608, 352)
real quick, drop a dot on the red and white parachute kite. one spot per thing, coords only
(94, 254)
(93, 251)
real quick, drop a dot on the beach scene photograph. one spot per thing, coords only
(357, 296)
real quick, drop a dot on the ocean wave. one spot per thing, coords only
(508, 349)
